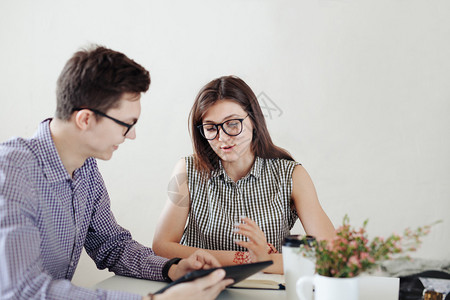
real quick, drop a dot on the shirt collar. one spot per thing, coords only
(255, 171)
(52, 165)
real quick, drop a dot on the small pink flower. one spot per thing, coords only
(343, 241)
(364, 255)
(354, 261)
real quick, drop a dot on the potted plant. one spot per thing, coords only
(351, 253)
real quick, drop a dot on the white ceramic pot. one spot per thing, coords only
(328, 288)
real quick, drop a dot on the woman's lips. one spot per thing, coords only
(227, 148)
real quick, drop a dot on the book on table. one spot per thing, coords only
(262, 280)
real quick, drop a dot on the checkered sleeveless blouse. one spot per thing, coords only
(263, 195)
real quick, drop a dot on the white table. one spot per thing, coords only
(371, 288)
(143, 287)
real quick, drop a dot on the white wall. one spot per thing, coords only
(362, 90)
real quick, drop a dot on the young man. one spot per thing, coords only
(53, 201)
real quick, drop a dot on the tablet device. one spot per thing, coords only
(235, 272)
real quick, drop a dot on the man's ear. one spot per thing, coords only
(83, 119)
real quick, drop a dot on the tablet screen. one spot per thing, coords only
(235, 272)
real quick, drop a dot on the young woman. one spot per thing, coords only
(239, 195)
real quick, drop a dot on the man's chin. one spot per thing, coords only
(105, 156)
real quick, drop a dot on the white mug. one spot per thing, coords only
(328, 288)
(295, 265)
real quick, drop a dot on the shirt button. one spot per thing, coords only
(72, 263)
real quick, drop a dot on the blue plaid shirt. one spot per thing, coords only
(46, 217)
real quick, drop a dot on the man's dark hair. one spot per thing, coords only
(97, 78)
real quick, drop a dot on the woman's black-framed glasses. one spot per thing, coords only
(231, 127)
(97, 112)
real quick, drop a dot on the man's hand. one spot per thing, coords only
(207, 288)
(198, 260)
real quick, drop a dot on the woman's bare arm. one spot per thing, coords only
(314, 219)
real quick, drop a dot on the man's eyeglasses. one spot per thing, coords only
(231, 127)
(97, 112)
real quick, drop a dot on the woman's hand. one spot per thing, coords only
(257, 242)
(207, 287)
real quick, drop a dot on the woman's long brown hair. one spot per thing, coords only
(230, 88)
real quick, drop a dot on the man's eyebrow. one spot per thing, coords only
(131, 121)
(227, 117)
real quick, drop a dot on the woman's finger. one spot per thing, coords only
(250, 228)
(248, 245)
(255, 237)
(249, 224)
(257, 249)
(249, 221)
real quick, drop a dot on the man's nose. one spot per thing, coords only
(131, 134)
